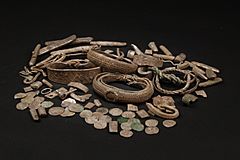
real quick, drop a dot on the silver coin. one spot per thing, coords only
(169, 123)
(106, 118)
(126, 133)
(67, 113)
(75, 107)
(103, 110)
(85, 113)
(151, 130)
(115, 111)
(137, 127)
(20, 95)
(100, 124)
(39, 99)
(22, 106)
(47, 104)
(97, 115)
(27, 100)
(151, 122)
(128, 114)
(126, 126)
(90, 120)
(55, 111)
(67, 102)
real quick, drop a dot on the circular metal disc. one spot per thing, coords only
(103, 110)
(151, 122)
(90, 120)
(55, 111)
(100, 124)
(126, 126)
(169, 123)
(115, 111)
(75, 107)
(128, 114)
(67, 113)
(126, 133)
(85, 113)
(151, 130)
(22, 106)
(47, 104)
(137, 127)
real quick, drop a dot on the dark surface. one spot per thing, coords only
(205, 32)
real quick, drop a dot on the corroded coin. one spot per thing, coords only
(126, 133)
(55, 111)
(126, 126)
(134, 120)
(47, 104)
(115, 111)
(101, 124)
(122, 120)
(106, 118)
(151, 130)
(27, 100)
(20, 95)
(137, 127)
(97, 115)
(32, 94)
(39, 99)
(22, 106)
(85, 113)
(142, 113)
(113, 127)
(90, 120)
(151, 122)
(169, 123)
(67, 102)
(75, 107)
(103, 110)
(67, 113)
(128, 114)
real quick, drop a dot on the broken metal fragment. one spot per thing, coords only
(181, 57)
(183, 65)
(210, 74)
(148, 51)
(47, 83)
(79, 85)
(205, 66)
(27, 89)
(36, 85)
(113, 126)
(130, 54)
(153, 46)
(72, 50)
(147, 60)
(22, 106)
(132, 107)
(97, 102)
(165, 57)
(79, 40)
(34, 55)
(165, 50)
(108, 43)
(142, 113)
(42, 112)
(34, 114)
(210, 82)
(201, 93)
(58, 44)
(189, 98)
(89, 105)
(199, 72)
(81, 98)
(136, 49)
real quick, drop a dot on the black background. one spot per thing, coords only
(205, 32)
